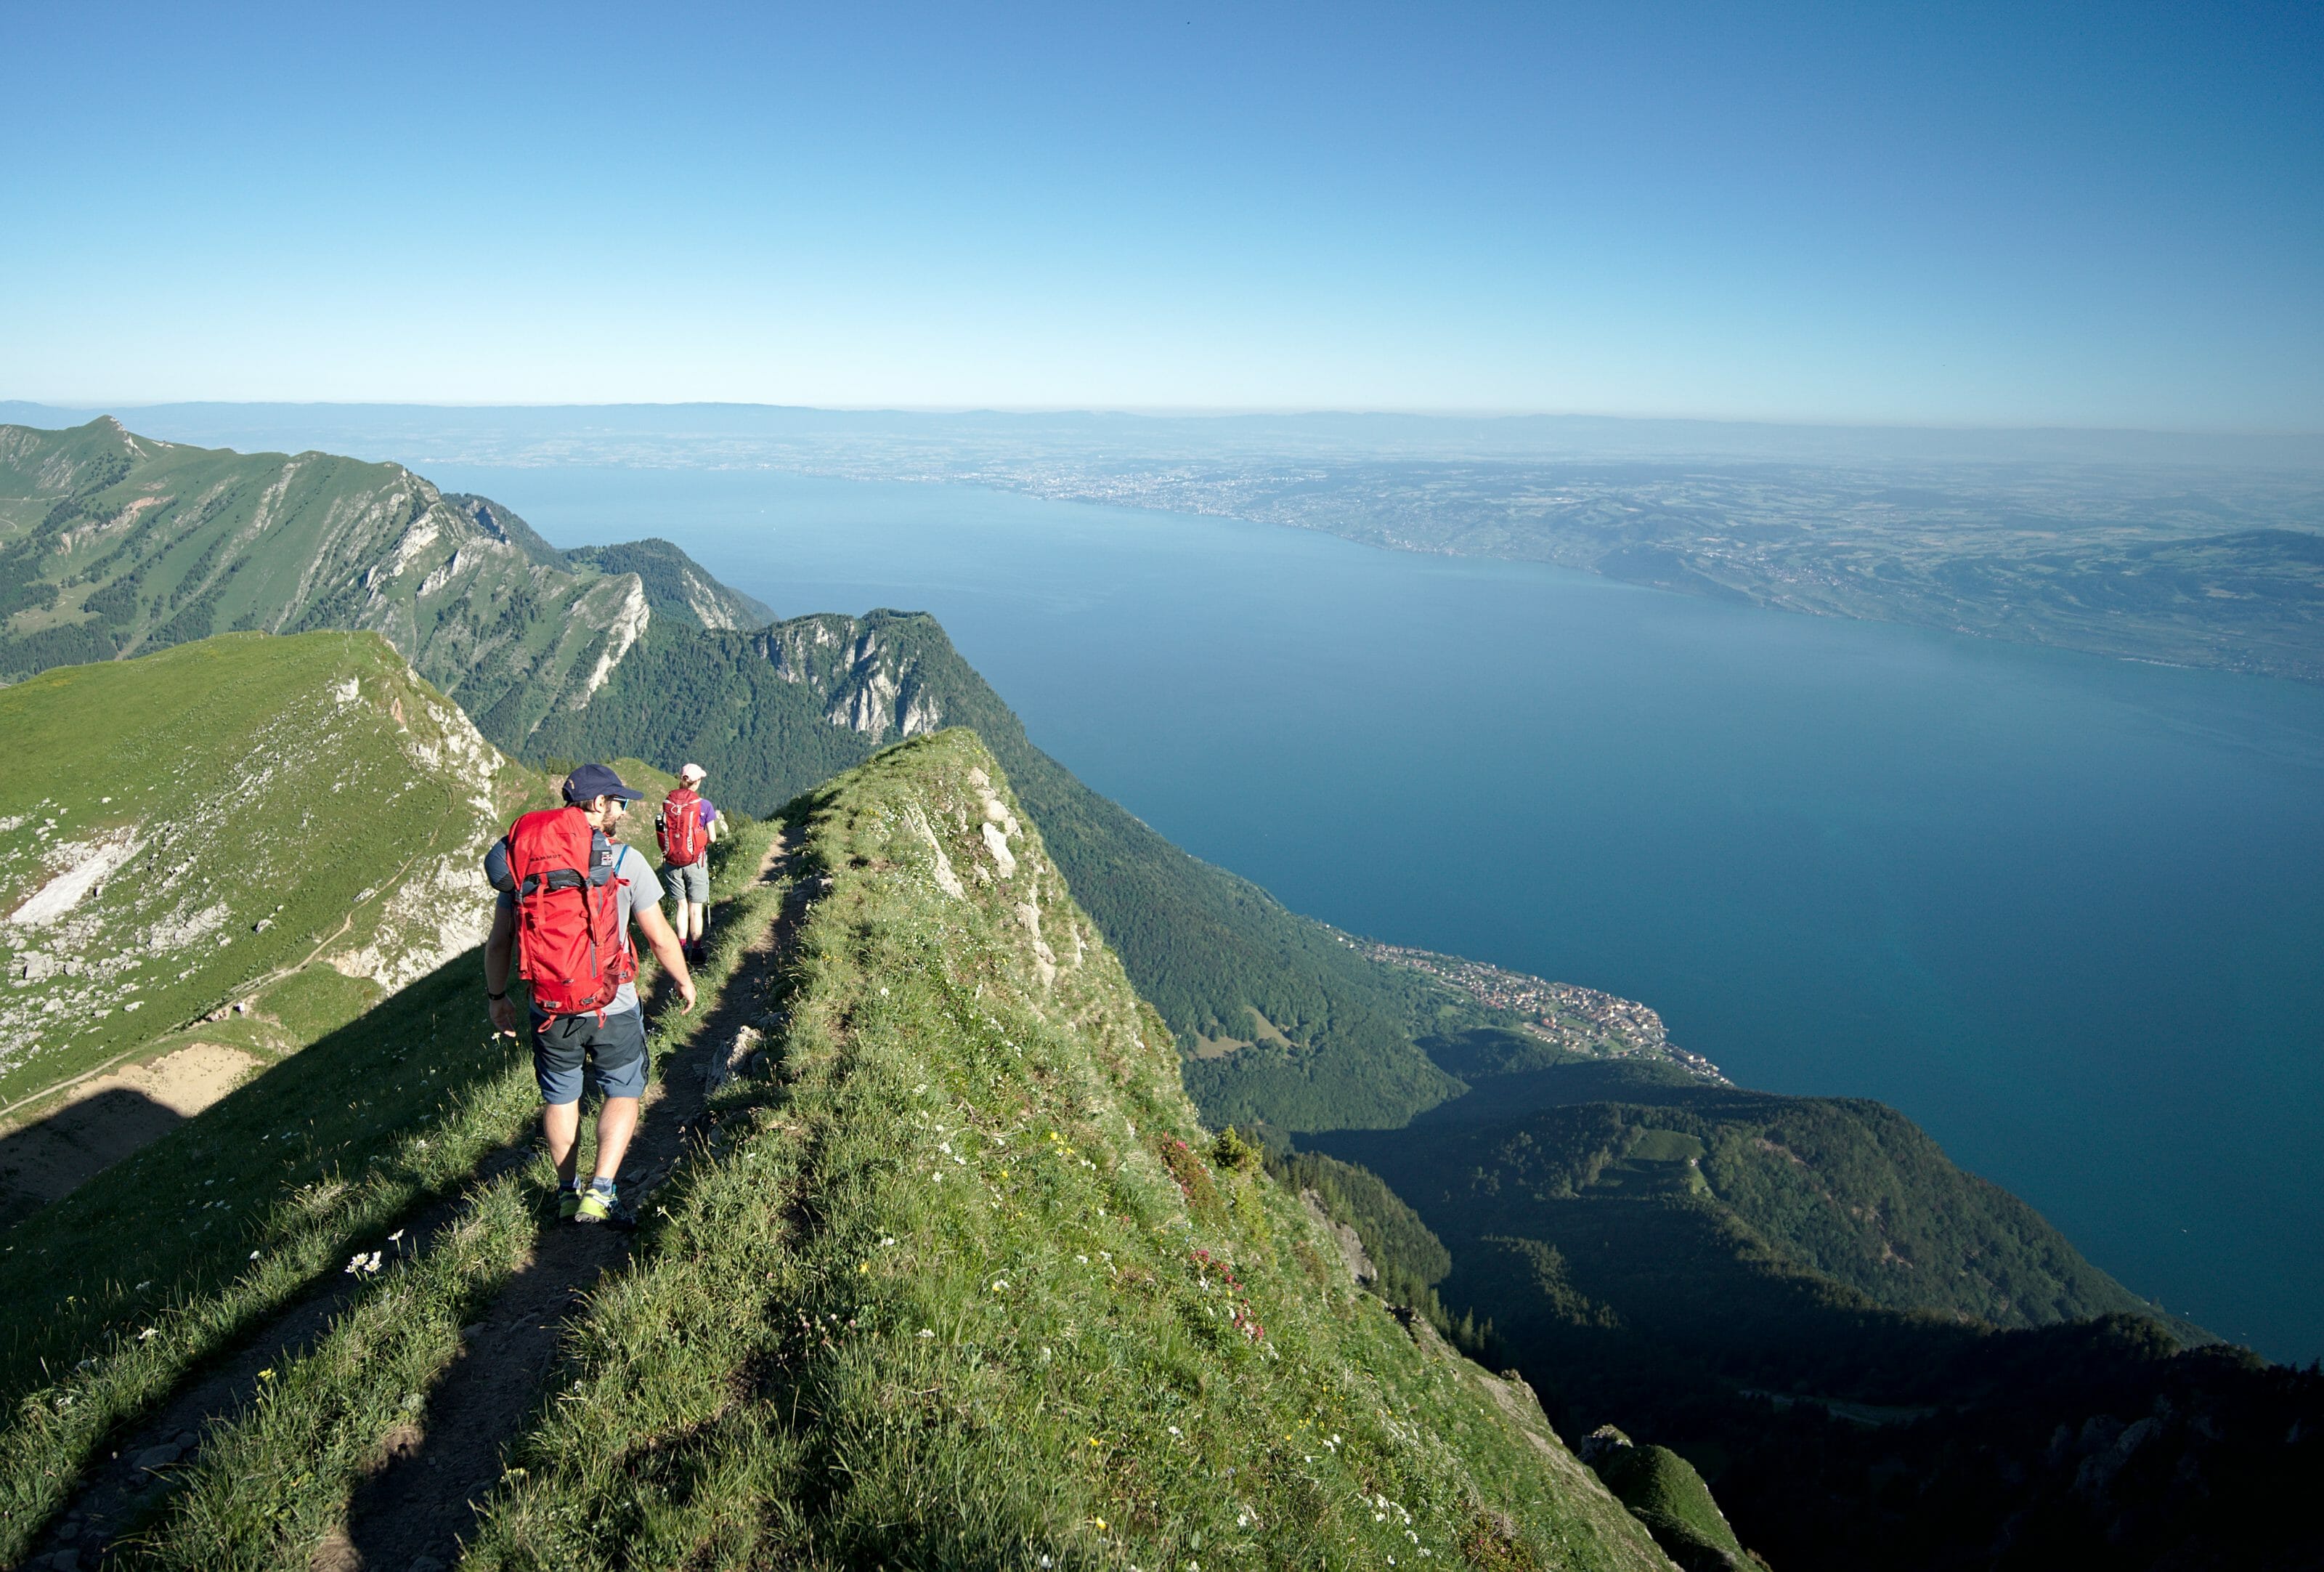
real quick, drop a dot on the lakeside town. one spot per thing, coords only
(1578, 1020)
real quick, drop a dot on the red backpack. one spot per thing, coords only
(568, 912)
(678, 827)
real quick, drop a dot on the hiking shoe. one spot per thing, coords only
(605, 1205)
(568, 1201)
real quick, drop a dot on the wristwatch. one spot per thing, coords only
(496, 998)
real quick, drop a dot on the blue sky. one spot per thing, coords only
(2095, 215)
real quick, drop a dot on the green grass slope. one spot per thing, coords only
(290, 824)
(1664, 1492)
(963, 1288)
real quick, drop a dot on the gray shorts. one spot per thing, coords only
(690, 883)
(614, 1054)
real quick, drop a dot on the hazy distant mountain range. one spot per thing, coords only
(2203, 550)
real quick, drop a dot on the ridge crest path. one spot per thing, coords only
(425, 1492)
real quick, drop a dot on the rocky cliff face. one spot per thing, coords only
(876, 685)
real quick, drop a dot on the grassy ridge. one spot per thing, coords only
(963, 1286)
(272, 1485)
(276, 1481)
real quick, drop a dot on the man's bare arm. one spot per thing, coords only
(497, 951)
(656, 928)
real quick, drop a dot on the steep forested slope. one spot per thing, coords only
(1839, 1191)
(1809, 1301)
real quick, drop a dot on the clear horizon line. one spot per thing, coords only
(1200, 411)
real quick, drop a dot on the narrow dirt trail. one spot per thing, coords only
(422, 1501)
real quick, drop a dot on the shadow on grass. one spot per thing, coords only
(182, 1216)
(57, 1153)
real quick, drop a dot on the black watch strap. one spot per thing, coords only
(496, 998)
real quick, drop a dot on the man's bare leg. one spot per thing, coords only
(560, 1122)
(616, 1122)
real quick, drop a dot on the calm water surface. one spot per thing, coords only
(2066, 912)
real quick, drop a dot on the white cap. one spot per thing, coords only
(691, 772)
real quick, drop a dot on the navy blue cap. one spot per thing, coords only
(595, 780)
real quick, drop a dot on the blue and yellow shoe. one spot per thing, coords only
(601, 1204)
(568, 1199)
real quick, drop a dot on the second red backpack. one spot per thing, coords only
(568, 912)
(678, 827)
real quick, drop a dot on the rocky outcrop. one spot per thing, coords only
(875, 687)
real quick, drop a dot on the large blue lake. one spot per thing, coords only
(2066, 912)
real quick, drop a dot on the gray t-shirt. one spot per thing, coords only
(630, 866)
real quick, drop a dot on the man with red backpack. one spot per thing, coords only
(568, 892)
(685, 827)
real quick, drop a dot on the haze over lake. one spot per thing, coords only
(2063, 911)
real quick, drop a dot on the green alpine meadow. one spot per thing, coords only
(241, 842)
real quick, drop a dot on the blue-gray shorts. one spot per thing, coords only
(613, 1053)
(690, 883)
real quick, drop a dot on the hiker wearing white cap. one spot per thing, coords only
(685, 827)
